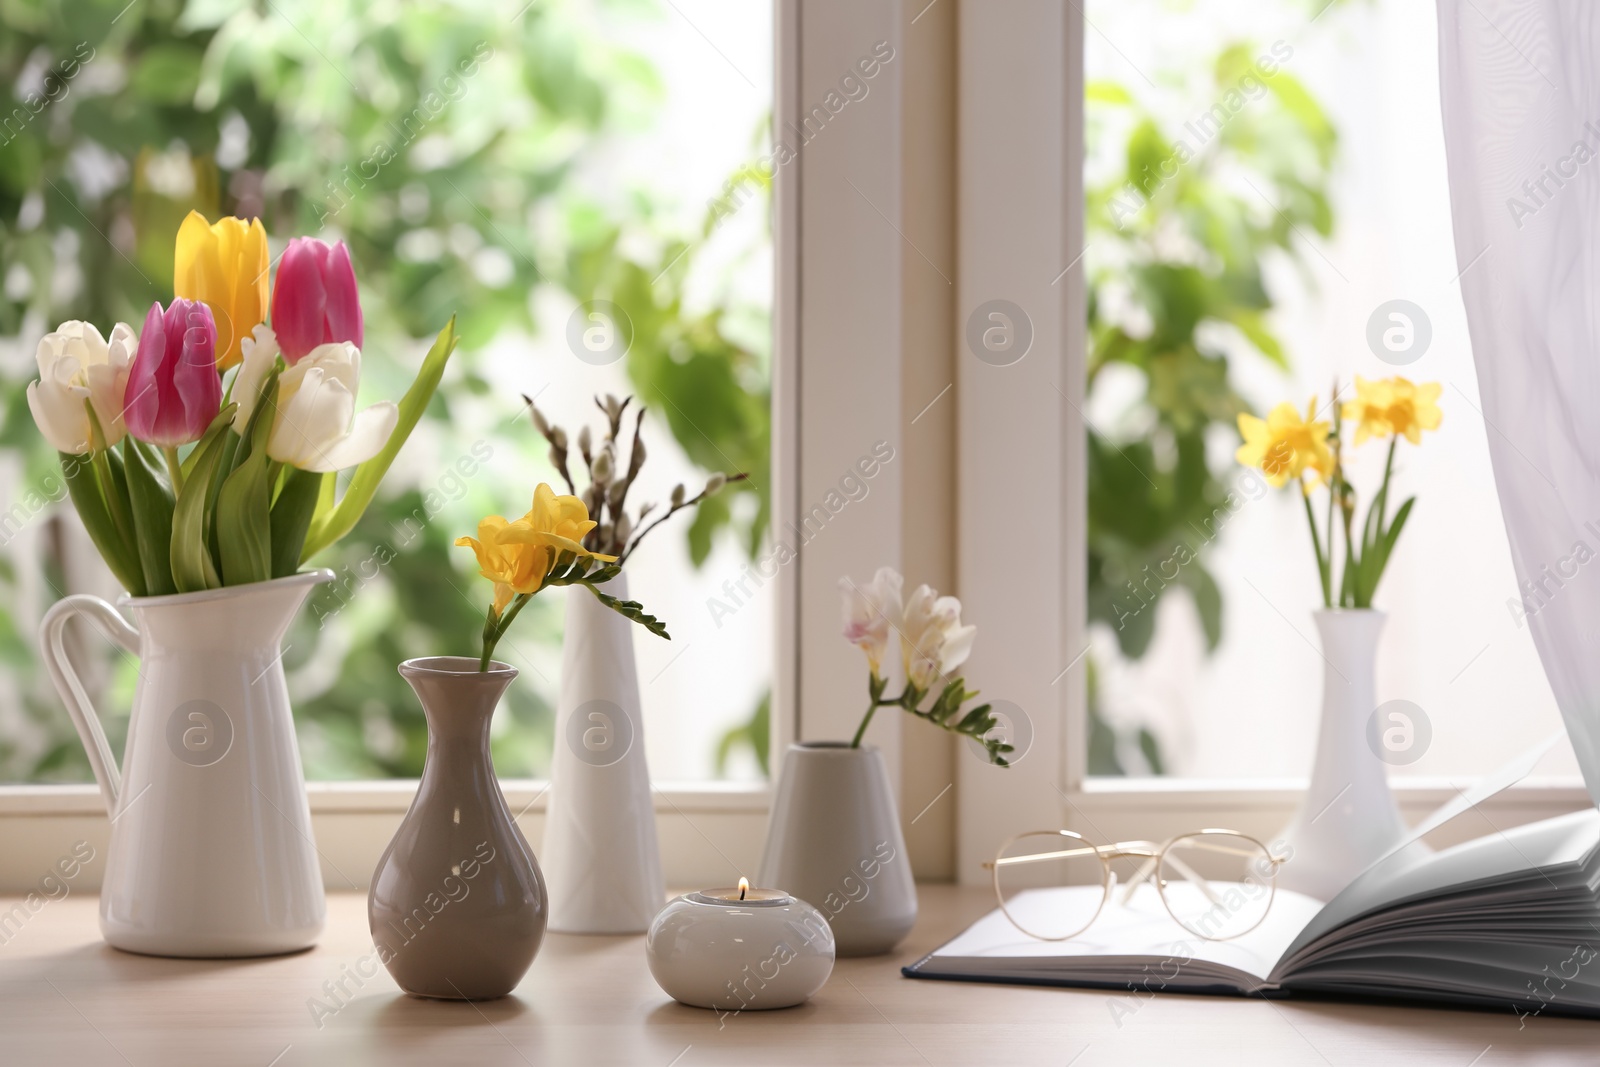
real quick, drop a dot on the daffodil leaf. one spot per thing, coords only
(364, 483)
(193, 568)
(291, 517)
(152, 505)
(1378, 557)
(83, 485)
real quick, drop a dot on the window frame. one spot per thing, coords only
(847, 281)
(1020, 214)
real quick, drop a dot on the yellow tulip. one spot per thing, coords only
(1394, 406)
(517, 556)
(224, 264)
(1286, 446)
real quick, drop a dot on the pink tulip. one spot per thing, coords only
(174, 390)
(314, 300)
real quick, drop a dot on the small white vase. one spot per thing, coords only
(602, 863)
(834, 841)
(211, 851)
(1348, 819)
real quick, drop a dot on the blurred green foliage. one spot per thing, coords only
(1179, 229)
(445, 142)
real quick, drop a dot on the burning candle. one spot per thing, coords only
(740, 948)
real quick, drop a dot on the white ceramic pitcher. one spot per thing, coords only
(211, 851)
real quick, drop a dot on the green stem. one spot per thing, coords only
(861, 730)
(1383, 490)
(1333, 500)
(493, 631)
(1324, 565)
(174, 468)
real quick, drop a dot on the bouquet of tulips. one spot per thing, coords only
(1309, 452)
(189, 479)
(933, 643)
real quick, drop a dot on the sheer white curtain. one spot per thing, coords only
(1521, 102)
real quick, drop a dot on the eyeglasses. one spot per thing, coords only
(1217, 884)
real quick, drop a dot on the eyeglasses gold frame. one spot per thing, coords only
(1156, 857)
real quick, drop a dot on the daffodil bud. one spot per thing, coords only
(677, 495)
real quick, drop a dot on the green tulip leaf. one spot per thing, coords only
(193, 568)
(152, 505)
(364, 483)
(244, 520)
(291, 517)
(83, 485)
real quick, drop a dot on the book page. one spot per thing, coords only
(1415, 873)
(1141, 929)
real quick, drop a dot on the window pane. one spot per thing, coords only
(1262, 182)
(511, 170)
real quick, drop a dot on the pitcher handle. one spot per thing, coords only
(52, 634)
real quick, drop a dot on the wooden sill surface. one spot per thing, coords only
(68, 1000)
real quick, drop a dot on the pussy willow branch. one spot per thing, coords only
(673, 510)
(558, 449)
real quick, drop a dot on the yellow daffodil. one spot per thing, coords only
(1286, 446)
(224, 264)
(517, 556)
(1394, 406)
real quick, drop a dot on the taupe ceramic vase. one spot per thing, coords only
(457, 906)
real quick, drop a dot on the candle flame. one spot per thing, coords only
(744, 887)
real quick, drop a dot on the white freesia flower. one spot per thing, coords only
(317, 427)
(77, 364)
(871, 612)
(933, 643)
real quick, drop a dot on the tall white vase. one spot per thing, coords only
(211, 850)
(1348, 818)
(602, 863)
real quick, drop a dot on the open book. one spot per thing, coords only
(1508, 921)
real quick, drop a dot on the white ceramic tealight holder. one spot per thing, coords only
(740, 949)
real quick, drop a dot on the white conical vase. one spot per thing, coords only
(602, 863)
(1348, 818)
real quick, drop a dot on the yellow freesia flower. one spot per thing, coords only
(517, 556)
(1286, 446)
(224, 264)
(1394, 406)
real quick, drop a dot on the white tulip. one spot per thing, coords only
(871, 612)
(257, 352)
(933, 643)
(317, 427)
(77, 364)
